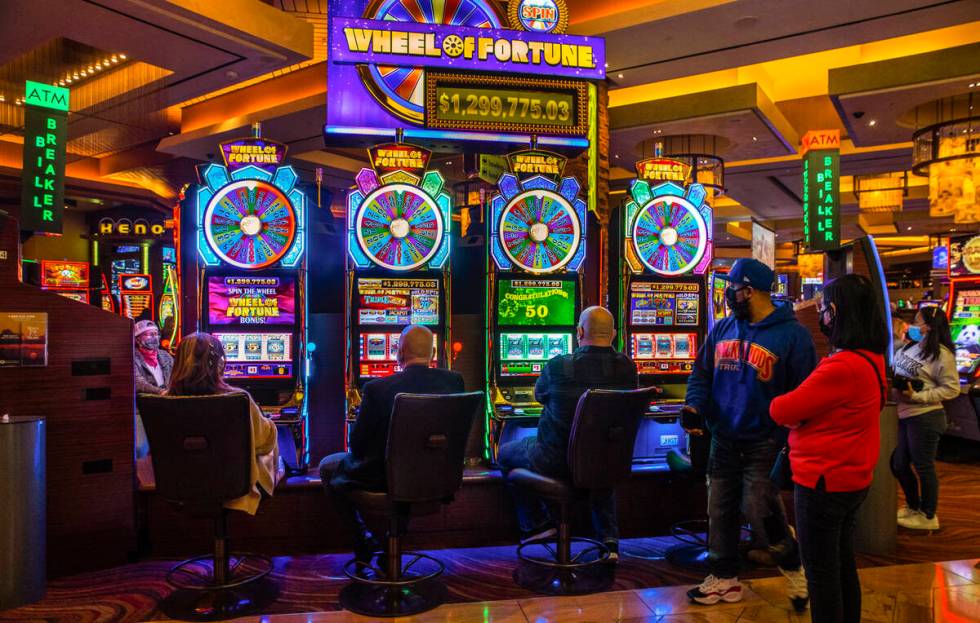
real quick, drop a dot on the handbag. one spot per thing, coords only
(781, 473)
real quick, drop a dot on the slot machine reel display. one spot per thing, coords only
(251, 242)
(397, 263)
(136, 295)
(67, 279)
(537, 247)
(665, 302)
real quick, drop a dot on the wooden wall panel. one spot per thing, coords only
(89, 442)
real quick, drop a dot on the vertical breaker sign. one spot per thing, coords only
(821, 190)
(45, 135)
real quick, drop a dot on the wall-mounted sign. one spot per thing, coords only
(964, 256)
(399, 157)
(260, 152)
(764, 245)
(126, 228)
(23, 339)
(534, 162)
(663, 170)
(821, 190)
(506, 104)
(43, 175)
(64, 275)
(491, 168)
(538, 15)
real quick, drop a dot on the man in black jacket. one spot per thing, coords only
(363, 468)
(595, 364)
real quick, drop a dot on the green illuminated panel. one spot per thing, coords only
(45, 96)
(821, 200)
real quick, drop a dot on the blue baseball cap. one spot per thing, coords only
(751, 272)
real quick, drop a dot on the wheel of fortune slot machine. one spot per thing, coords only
(251, 251)
(536, 246)
(397, 263)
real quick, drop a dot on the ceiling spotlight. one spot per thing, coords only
(872, 123)
(909, 228)
(972, 84)
(91, 69)
(620, 76)
(449, 164)
(115, 59)
(607, 65)
(755, 138)
(122, 56)
(617, 156)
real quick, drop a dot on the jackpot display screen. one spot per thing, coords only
(398, 301)
(664, 304)
(525, 354)
(257, 355)
(523, 302)
(964, 325)
(238, 300)
(378, 351)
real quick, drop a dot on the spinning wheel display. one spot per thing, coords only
(669, 235)
(250, 224)
(399, 227)
(540, 231)
(402, 89)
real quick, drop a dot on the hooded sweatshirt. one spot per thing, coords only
(939, 376)
(742, 366)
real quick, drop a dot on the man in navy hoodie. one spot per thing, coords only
(759, 352)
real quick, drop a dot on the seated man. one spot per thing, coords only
(363, 468)
(593, 365)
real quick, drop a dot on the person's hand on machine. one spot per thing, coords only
(691, 421)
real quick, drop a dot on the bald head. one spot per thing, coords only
(596, 327)
(415, 346)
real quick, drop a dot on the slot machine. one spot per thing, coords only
(536, 248)
(964, 305)
(251, 282)
(398, 225)
(663, 303)
(136, 295)
(168, 314)
(106, 299)
(67, 279)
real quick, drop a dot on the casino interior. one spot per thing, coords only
(304, 179)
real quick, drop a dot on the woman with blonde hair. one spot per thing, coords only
(199, 371)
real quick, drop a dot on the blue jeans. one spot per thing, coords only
(738, 479)
(532, 513)
(918, 441)
(825, 522)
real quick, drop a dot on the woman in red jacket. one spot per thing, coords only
(834, 442)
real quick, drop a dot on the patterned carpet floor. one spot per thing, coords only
(132, 592)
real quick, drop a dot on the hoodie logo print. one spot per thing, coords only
(728, 357)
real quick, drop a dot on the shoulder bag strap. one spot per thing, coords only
(881, 383)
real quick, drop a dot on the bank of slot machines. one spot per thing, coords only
(67, 279)
(664, 301)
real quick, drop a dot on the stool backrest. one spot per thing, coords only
(426, 444)
(201, 447)
(600, 447)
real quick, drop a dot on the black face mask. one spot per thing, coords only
(740, 309)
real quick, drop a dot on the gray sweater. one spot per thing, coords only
(940, 380)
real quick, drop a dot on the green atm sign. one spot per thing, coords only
(821, 190)
(43, 179)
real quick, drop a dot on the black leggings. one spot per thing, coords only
(918, 441)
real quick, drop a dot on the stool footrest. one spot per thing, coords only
(209, 583)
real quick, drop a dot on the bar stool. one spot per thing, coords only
(424, 459)
(600, 455)
(201, 448)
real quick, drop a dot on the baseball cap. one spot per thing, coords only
(751, 272)
(143, 326)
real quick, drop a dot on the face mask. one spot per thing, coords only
(740, 309)
(915, 334)
(149, 343)
(826, 328)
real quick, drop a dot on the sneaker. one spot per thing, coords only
(919, 521)
(713, 590)
(543, 533)
(905, 512)
(796, 588)
(613, 547)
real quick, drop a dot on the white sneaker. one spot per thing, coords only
(713, 590)
(796, 588)
(905, 512)
(919, 521)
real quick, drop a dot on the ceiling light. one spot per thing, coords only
(620, 75)
(115, 59)
(972, 84)
(607, 65)
(122, 57)
(91, 69)
(872, 123)
(909, 228)
(952, 229)
(617, 156)
(755, 138)
(449, 164)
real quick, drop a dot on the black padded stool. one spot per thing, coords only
(201, 448)
(600, 454)
(424, 459)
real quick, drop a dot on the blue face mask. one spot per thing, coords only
(915, 334)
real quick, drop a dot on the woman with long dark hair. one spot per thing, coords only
(925, 376)
(834, 443)
(199, 371)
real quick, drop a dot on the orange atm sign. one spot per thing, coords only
(821, 139)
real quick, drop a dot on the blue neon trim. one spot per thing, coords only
(884, 294)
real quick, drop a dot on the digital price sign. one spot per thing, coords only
(502, 104)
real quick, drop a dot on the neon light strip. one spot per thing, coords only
(516, 139)
(593, 148)
(884, 294)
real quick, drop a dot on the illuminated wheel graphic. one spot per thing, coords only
(402, 89)
(540, 231)
(399, 227)
(250, 224)
(669, 235)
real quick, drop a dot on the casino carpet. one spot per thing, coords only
(130, 593)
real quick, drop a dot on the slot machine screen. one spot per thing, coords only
(122, 267)
(241, 300)
(524, 354)
(718, 286)
(398, 301)
(378, 352)
(257, 355)
(965, 328)
(66, 275)
(535, 303)
(665, 304)
(663, 353)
